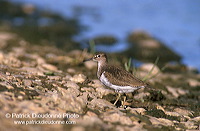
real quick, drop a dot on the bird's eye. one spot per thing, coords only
(97, 56)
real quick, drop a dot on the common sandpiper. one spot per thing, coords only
(115, 77)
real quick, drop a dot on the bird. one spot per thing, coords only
(116, 77)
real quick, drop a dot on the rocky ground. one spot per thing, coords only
(45, 80)
(43, 87)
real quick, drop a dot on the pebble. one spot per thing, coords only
(27, 82)
(184, 112)
(102, 91)
(90, 65)
(161, 121)
(70, 91)
(176, 92)
(71, 70)
(96, 84)
(91, 119)
(54, 78)
(33, 71)
(72, 104)
(78, 128)
(114, 117)
(49, 67)
(193, 83)
(150, 44)
(1, 57)
(99, 104)
(141, 95)
(137, 110)
(172, 113)
(197, 119)
(190, 125)
(20, 97)
(148, 67)
(87, 89)
(71, 84)
(80, 78)
(8, 86)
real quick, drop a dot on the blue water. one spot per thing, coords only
(175, 22)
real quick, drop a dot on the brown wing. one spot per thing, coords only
(122, 77)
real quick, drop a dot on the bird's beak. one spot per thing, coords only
(87, 59)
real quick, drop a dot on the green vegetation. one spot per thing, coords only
(149, 76)
(92, 46)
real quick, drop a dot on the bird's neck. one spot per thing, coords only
(101, 65)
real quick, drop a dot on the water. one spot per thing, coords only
(176, 23)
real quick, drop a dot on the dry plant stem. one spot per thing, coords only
(149, 73)
(163, 68)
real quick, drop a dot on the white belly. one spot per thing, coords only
(120, 89)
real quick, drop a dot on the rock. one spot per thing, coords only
(87, 89)
(31, 108)
(73, 104)
(166, 122)
(66, 78)
(37, 82)
(137, 127)
(107, 40)
(12, 61)
(71, 84)
(80, 78)
(137, 110)
(196, 119)
(172, 113)
(20, 97)
(96, 84)
(176, 92)
(100, 104)
(193, 82)
(138, 35)
(70, 91)
(56, 78)
(4, 37)
(190, 125)
(114, 117)
(33, 71)
(91, 119)
(8, 86)
(102, 91)
(53, 95)
(91, 114)
(1, 57)
(148, 66)
(70, 102)
(7, 96)
(78, 128)
(146, 48)
(184, 112)
(151, 44)
(71, 70)
(90, 65)
(18, 51)
(49, 67)
(161, 121)
(28, 8)
(141, 95)
(27, 82)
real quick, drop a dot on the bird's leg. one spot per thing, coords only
(119, 95)
(123, 102)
